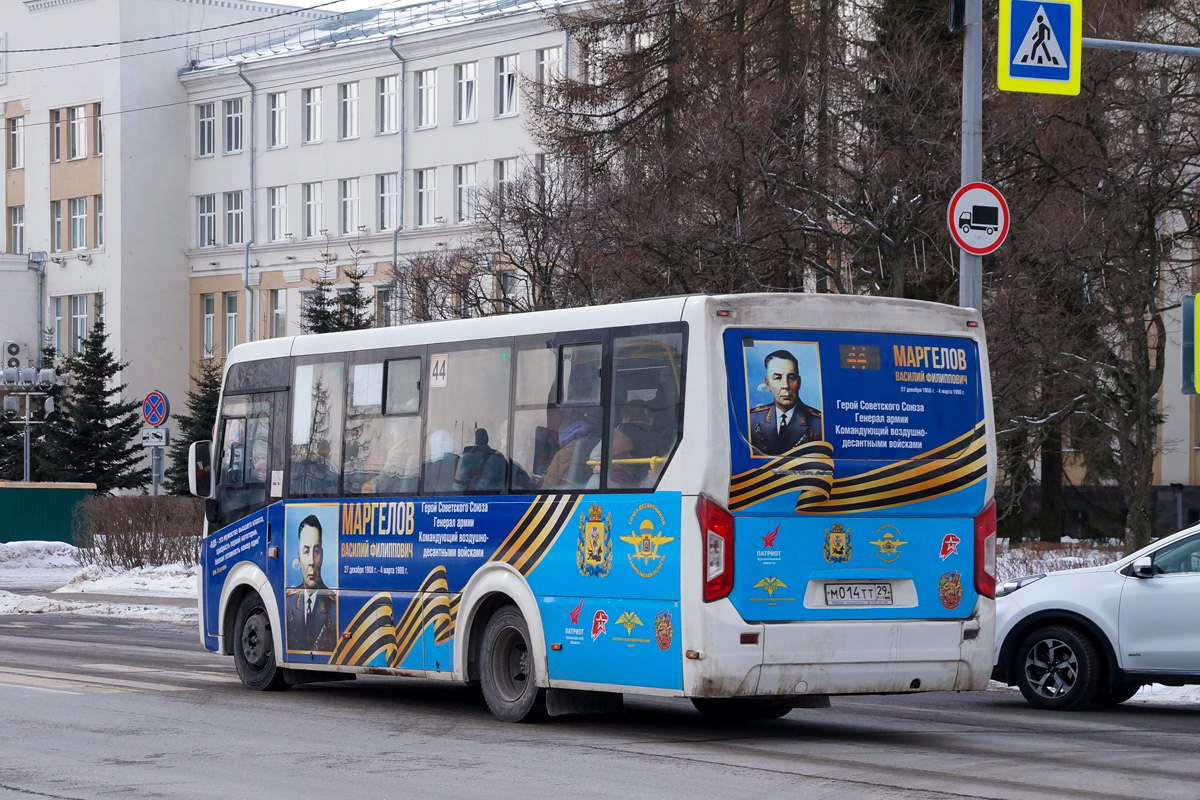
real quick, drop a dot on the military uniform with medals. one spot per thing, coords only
(767, 437)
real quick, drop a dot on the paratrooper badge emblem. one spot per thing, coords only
(837, 544)
(593, 553)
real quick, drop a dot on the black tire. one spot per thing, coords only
(507, 669)
(1057, 668)
(254, 648)
(740, 709)
(989, 230)
(966, 229)
(1115, 695)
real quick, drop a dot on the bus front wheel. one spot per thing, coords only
(740, 709)
(508, 674)
(253, 647)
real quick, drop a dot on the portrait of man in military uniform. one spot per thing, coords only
(310, 608)
(786, 422)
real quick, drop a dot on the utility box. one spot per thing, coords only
(39, 512)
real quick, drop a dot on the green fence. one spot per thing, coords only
(39, 512)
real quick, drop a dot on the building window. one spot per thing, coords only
(78, 207)
(210, 315)
(506, 174)
(549, 65)
(508, 290)
(206, 220)
(277, 213)
(464, 193)
(348, 192)
(206, 119)
(233, 125)
(348, 110)
(312, 210)
(389, 201)
(466, 83)
(99, 220)
(277, 120)
(231, 303)
(233, 218)
(389, 104)
(426, 197)
(98, 128)
(56, 238)
(77, 116)
(58, 327)
(385, 308)
(506, 85)
(16, 143)
(312, 115)
(78, 323)
(278, 312)
(16, 229)
(56, 135)
(427, 98)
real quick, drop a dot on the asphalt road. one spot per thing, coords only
(93, 708)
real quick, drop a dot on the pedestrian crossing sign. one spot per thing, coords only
(1040, 45)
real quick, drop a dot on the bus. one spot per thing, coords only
(753, 501)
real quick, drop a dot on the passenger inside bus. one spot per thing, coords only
(438, 473)
(482, 468)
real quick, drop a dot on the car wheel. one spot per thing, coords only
(1115, 695)
(507, 672)
(966, 229)
(740, 709)
(1057, 668)
(254, 647)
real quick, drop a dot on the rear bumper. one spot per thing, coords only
(848, 657)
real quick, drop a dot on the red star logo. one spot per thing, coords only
(769, 539)
(575, 613)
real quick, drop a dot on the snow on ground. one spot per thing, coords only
(36, 564)
(172, 580)
(36, 604)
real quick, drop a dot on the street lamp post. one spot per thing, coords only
(29, 383)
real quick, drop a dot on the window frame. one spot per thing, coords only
(77, 208)
(466, 92)
(349, 206)
(466, 195)
(312, 100)
(507, 96)
(16, 229)
(206, 130)
(206, 220)
(389, 201)
(426, 98)
(426, 205)
(387, 105)
(348, 110)
(277, 203)
(77, 136)
(233, 125)
(235, 217)
(15, 130)
(276, 120)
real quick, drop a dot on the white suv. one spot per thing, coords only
(1095, 635)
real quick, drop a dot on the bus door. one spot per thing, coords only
(250, 438)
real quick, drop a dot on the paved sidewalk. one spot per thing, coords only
(95, 597)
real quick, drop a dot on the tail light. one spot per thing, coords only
(985, 551)
(716, 526)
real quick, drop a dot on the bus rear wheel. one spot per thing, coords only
(507, 669)
(254, 648)
(740, 709)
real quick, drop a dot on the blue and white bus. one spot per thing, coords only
(752, 501)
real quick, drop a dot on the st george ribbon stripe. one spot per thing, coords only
(809, 470)
(372, 631)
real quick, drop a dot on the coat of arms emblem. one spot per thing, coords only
(646, 542)
(593, 553)
(837, 544)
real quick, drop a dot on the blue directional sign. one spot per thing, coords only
(155, 408)
(1040, 46)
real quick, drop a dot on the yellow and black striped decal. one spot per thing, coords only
(373, 630)
(809, 470)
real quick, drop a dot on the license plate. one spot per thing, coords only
(858, 594)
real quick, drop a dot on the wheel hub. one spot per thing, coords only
(1052, 668)
(256, 640)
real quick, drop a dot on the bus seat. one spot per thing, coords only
(580, 474)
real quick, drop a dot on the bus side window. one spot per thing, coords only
(646, 408)
(467, 420)
(243, 469)
(318, 402)
(535, 426)
(383, 445)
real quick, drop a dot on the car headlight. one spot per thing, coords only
(1008, 587)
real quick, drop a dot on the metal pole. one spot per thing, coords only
(1142, 47)
(26, 480)
(970, 276)
(155, 468)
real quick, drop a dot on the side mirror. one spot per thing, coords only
(1143, 568)
(200, 469)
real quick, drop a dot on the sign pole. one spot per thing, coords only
(970, 275)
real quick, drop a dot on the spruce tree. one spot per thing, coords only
(196, 425)
(318, 312)
(326, 309)
(94, 439)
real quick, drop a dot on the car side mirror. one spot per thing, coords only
(200, 469)
(1143, 568)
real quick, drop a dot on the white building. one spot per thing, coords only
(374, 136)
(96, 132)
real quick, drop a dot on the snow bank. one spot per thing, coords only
(34, 604)
(36, 564)
(172, 580)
